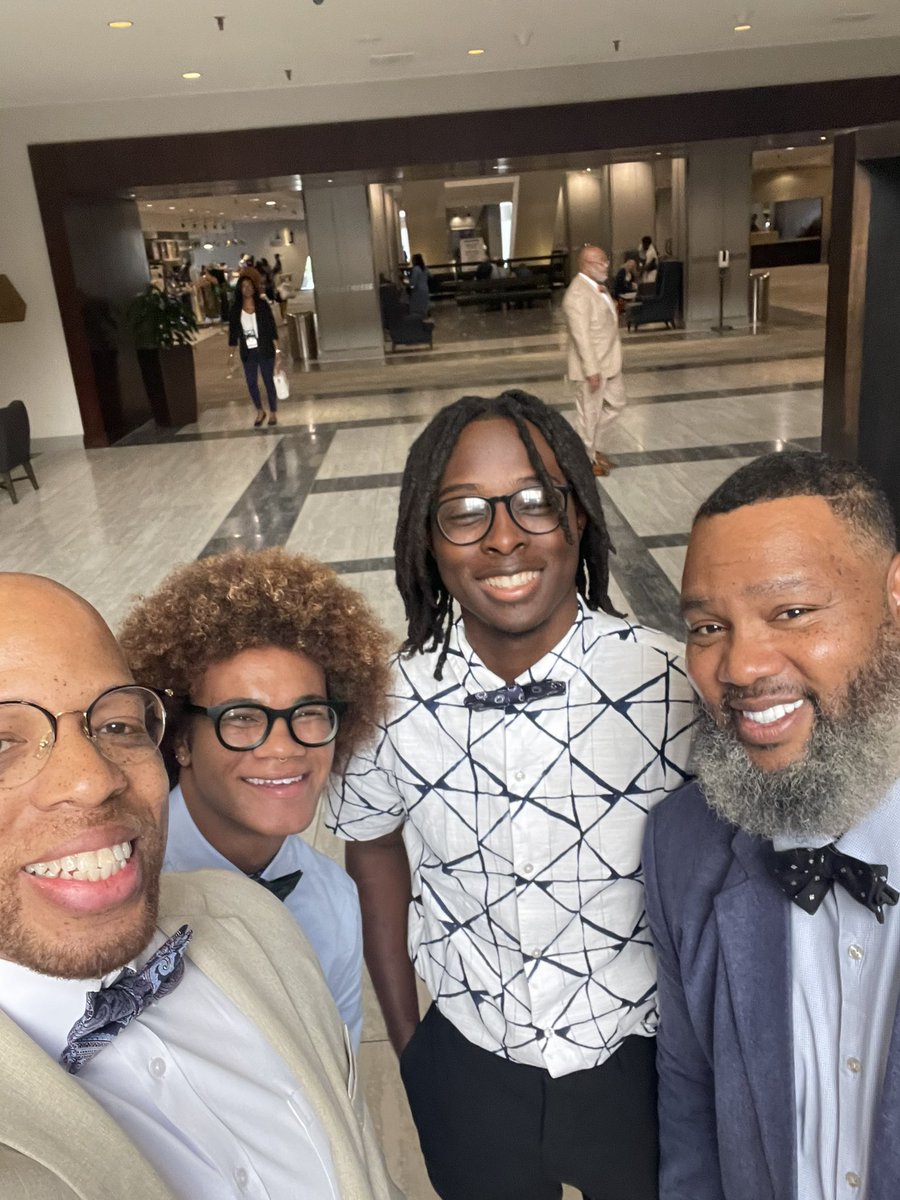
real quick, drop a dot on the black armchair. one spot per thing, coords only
(664, 304)
(15, 447)
(401, 326)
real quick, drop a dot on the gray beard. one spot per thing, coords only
(851, 760)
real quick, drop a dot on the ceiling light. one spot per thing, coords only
(790, 147)
(207, 245)
(254, 199)
(588, 170)
(474, 52)
(271, 203)
(171, 208)
(190, 75)
(823, 138)
(659, 154)
(120, 24)
(742, 28)
(149, 206)
(331, 181)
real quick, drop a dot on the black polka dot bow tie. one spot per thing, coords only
(281, 887)
(806, 875)
(508, 697)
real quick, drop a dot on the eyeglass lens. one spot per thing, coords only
(247, 726)
(465, 519)
(125, 724)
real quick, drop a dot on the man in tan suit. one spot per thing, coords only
(595, 353)
(237, 1079)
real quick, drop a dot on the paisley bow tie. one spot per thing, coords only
(109, 1010)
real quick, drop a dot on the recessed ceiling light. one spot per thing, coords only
(474, 52)
(171, 208)
(823, 138)
(588, 170)
(742, 28)
(254, 199)
(120, 24)
(149, 206)
(659, 154)
(271, 203)
(790, 147)
(331, 181)
(190, 75)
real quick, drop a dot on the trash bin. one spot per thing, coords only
(302, 337)
(759, 299)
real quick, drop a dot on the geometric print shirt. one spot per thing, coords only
(523, 828)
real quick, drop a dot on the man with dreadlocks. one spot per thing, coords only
(527, 740)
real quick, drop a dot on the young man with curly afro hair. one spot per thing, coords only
(279, 675)
(528, 738)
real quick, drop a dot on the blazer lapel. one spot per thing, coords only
(753, 922)
(47, 1116)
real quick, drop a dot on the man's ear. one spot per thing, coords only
(893, 588)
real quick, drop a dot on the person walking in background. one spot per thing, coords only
(419, 296)
(595, 354)
(251, 326)
(232, 635)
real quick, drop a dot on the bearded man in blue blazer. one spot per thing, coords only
(770, 881)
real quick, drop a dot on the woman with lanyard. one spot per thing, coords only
(252, 327)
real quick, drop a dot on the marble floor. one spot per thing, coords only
(111, 523)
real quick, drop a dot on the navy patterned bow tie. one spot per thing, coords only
(281, 887)
(508, 697)
(806, 875)
(108, 1011)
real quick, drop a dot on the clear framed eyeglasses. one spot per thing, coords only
(464, 520)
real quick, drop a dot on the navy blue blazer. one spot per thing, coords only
(721, 927)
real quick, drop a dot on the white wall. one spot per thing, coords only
(632, 189)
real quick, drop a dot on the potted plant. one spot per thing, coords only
(164, 329)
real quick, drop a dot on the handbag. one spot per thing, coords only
(282, 387)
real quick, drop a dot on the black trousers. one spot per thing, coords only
(491, 1129)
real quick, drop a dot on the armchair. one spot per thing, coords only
(664, 304)
(15, 447)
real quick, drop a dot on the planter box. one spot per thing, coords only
(171, 384)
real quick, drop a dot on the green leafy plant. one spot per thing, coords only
(159, 320)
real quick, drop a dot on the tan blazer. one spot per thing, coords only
(57, 1143)
(594, 344)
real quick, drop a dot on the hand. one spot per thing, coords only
(594, 382)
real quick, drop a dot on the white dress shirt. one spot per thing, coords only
(845, 986)
(194, 1084)
(324, 903)
(523, 829)
(602, 290)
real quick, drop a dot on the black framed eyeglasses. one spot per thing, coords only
(246, 724)
(466, 519)
(126, 724)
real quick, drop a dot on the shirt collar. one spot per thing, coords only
(593, 282)
(472, 674)
(188, 850)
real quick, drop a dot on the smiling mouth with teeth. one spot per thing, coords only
(508, 582)
(276, 782)
(769, 716)
(89, 866)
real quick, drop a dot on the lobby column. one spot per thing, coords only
(717, 203)
(588, 212)
(339, 228)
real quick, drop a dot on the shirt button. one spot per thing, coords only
(241, 1178)
(854, 1065)
(519, 776)
(853, 1179)
(528, 868)
(536, 952)
(855, 952)
(157, 1067)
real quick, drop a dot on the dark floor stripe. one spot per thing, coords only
(662, 541)
(652, 599)
(267, 510)
(351, 565)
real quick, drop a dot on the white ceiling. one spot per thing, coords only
(196, 212)
(55, 51)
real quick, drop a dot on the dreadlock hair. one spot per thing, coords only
(428, 604)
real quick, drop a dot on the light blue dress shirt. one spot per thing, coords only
(324, 903)
(845, 987)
